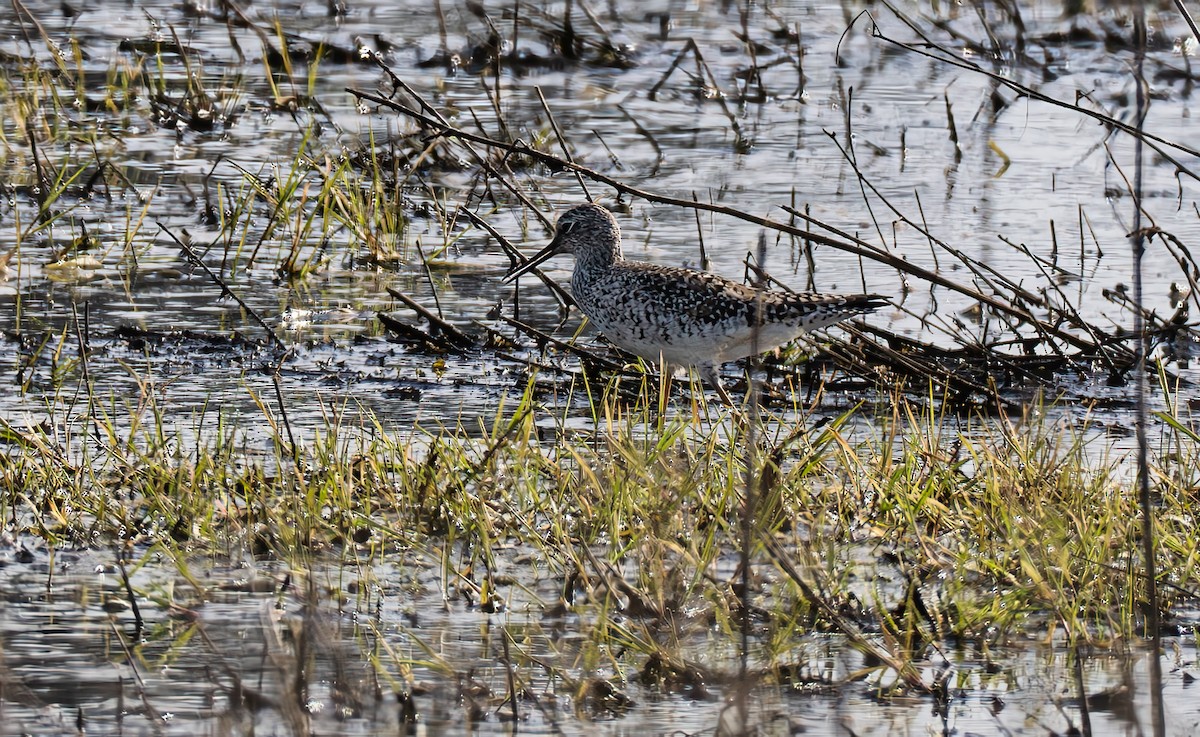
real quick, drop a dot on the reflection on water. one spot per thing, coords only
(264, 651)
(974, 193)
(142, 144)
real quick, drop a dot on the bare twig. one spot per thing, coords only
(195, 260)
(453, 334)
(848, 243)
(1138, 237)
(945, 56)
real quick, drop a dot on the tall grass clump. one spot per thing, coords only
(919, 536)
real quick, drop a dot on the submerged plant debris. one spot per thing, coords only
(283, 453)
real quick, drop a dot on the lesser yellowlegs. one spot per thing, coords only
(677, 316)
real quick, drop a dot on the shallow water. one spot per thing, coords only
(1063, 194)
(71, 652)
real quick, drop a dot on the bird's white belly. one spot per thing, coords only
(706, 345)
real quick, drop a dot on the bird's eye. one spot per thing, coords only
(566, 228)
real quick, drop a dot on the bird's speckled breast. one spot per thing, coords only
(687, 316)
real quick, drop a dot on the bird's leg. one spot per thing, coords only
(665, 374)
(709, 373)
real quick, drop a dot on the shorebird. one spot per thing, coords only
(679, 317)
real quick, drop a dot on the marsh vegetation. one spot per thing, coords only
(282, 453)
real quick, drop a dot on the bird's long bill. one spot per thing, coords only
(534, 261)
